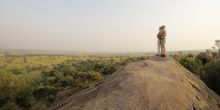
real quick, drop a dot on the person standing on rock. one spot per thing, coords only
(161, 42)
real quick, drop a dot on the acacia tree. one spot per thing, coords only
(217, 44)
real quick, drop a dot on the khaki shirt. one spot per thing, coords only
(162, 34)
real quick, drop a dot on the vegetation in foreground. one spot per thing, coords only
(205, 65)
(31, 82)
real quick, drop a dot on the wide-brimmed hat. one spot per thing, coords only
(162, 27)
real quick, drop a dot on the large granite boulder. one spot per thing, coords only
(153, 84)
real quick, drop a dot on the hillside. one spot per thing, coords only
(153, 84)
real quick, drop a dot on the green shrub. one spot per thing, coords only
(108, 70)
(84, 80)
(191, 63)
(9, 106)
(10, 85)
(209, 73)
(212, 75)
(46, 95)
(67, 81)
(88, 76)
(24, 98)
(43, 92)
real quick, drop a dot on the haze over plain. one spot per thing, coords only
(108, 25)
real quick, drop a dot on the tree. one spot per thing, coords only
(217, 44)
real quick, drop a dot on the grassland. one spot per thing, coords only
(31, 82)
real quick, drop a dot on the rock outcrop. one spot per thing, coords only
(153, 84)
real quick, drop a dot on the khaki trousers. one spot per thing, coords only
(161, 46)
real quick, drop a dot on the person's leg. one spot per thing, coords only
(158, 47)
(164, 43)
(163, 49)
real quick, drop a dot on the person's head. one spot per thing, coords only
(162, 27)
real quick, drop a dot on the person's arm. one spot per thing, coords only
(163, 34)
(159, 35)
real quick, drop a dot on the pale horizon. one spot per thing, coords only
(108, 26)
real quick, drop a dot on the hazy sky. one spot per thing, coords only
(108, 25)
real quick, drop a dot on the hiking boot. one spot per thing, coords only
(158, 55)
(163, 55)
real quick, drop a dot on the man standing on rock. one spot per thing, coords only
(161, 42)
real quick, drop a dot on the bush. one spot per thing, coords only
(108, 70)
(88, 76)
(212, 75)
(10, 86)
(67, 81)
(9, 106)
(13, 89)
(208, 72)
(191, 63)
(43, 92)
(82, 80)
(24, 99)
